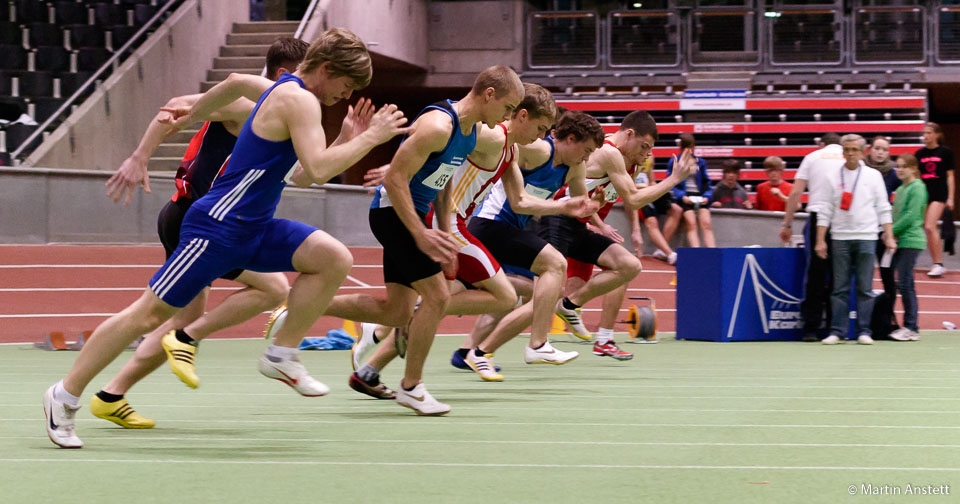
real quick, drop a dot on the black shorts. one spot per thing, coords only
(508, 244)
(660, 206)
(168, 229)
(572, 238)
(403, 262)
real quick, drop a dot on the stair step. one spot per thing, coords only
(266, 27)
(245, 50)
(239, 62)
(219, 75)
(254, 38)
(182, 136)
(164, 163)
(171, 150)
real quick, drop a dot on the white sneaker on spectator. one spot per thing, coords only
(672, 258)
(936, 271)
(901, 334)
(659, 254)
(914, 336)
(865, 339)
(833, 339)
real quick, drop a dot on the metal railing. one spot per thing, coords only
(111, 64)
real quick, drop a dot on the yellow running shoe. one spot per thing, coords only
(180, 356)
(120, 413)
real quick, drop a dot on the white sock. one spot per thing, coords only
(60, 394)
(604, 335)
(280, 352)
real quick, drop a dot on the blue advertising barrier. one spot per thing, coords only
(740, 294)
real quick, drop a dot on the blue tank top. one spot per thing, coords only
(542, 182)
(438, 168)
(245, 196)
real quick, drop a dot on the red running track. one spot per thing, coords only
(72, 288)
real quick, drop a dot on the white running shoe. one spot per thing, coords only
(865, 339)
(913, 336)
(547, 355)
(833, 339)
(60, 421)
(294, 374)
(901, 334)
(364, 345)
(421, 402)
(936, 271)
(572, 318)
(483, 366)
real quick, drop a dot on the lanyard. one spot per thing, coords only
(857, 179)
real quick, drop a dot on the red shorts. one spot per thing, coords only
(579, 269)
(475, 263)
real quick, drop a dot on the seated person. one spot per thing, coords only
(693, 196)
(773, 194)
(728, 193)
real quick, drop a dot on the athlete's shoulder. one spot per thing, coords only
(490, 140)
(432, 130)
(534, 154)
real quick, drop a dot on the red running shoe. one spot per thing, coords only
(610, 349)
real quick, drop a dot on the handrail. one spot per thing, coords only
(113, 61)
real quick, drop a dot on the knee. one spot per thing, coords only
(339, 258)
(554, 262)
(930, 228)
(276, 288)
(631, 266)
(506, 300)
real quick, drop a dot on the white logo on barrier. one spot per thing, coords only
(784, 313)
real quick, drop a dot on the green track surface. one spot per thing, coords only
(683, 422)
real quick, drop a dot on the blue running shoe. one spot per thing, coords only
(458, 362)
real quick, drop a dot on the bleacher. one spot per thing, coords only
(763, 123)
(49, 49)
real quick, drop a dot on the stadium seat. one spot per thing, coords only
(17, 134)
(44, 34)
(11, 108)
(120, 35)
(84, 35)
(71, 82)
(45, 107)
(32, 11)
(109, 14)
(142, 14)
(91, 58)
(13, 57)
(10, 32)
(5, 159)
(71, 13)
(55, 59)
(36, 84)
(6, 83)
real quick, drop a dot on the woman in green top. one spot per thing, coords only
(909, 204)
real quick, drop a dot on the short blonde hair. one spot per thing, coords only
(502, 79)
(773, 163)
(345, 52)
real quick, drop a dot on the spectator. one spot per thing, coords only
(648, 214)
(854, 203)
(878, 157)
(728, 193)
(773, 194)
(936, 171)
(693, 197)
(819, 282)
(908, 207)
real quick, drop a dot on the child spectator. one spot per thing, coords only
(909, 205)
(728, 193)
(773, 194)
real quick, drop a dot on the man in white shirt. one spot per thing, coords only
(819, 278)
(853, 203)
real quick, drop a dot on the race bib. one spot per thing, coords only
(610, 193)
(440, 177)
(538, 192)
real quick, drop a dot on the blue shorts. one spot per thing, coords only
(516, 270)
(203, 255)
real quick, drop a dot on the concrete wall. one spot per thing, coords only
(466, 37)
(173, 61)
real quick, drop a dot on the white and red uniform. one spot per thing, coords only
(470, 185)
(577, 268)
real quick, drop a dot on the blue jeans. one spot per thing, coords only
(904, 261)
(852, 258)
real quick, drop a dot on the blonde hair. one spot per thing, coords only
(773, 163)
(502, 79)
(911, 161)
(346, 54)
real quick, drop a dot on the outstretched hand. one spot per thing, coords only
(357, 120)
(374, 177)
(131, 173)
(387, 123)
